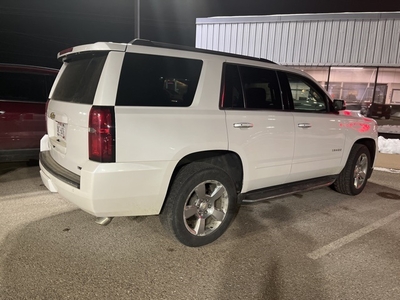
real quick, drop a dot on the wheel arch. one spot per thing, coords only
(228, 161)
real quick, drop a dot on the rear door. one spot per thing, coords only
(258, 128)
(319, 137)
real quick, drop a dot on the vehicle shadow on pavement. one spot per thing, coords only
(6, 167)
(275, 236)
(261, 256)
(267, 255)
(19, 179)
(68, 255)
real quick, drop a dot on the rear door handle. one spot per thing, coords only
(304, 125)
(242, 125)
(2, 112)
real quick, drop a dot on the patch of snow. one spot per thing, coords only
(389, 146)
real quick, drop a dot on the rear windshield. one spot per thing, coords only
(153, 80)
(78, 82)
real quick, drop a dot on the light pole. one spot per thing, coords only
(137, 19)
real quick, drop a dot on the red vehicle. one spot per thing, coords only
(23, 95)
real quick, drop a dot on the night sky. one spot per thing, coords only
(33, 31)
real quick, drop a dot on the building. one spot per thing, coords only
(355, 56)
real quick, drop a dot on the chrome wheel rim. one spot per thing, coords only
(360, 171)
(205, 208)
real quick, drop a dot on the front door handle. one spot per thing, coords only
(304, 125)
(242, 125)
(2, 112)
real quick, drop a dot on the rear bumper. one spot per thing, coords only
(58, 171)
(110, 189)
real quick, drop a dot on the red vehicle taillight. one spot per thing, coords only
(102, 134)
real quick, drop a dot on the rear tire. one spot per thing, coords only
(200, 205)
(352, 179)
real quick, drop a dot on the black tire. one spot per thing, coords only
(353, 178)
(212, 214)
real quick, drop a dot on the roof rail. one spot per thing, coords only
(143, 42)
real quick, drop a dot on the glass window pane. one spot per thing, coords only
(355, 85)
(154, 80)
(78, 82)
(23, 87)
(320, 74)
(305, 97)
(261, 88)
(232, 96)
(389, 86)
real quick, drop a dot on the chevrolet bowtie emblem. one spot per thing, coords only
(52, 116)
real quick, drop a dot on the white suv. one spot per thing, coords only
(144, 129)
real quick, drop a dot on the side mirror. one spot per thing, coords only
(339, 104)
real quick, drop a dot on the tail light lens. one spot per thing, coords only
(102, 134)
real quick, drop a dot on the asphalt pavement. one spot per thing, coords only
(312, 245)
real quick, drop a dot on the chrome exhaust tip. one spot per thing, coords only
(103, 220)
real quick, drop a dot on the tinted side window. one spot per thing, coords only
(78, 82)
(232, 94)
(305, 96)
(23, 87)
(152, 80)
(250, 87)
(261, 88)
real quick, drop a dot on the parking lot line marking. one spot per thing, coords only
(352, 236)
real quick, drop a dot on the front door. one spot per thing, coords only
(319, 137)
(258, 128)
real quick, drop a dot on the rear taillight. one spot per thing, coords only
(102, 134)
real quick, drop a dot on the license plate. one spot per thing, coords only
(379, 111)
(61, 130)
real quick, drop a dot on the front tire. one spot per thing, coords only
(200, 205)
(353, 178)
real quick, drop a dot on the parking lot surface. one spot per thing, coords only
(313, 245)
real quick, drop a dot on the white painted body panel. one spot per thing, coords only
(150, 141)
(153, 134)
(318, 149)
(71, 152)
(357, 127)
(115, 189)
(266, 148)
(171, 133)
